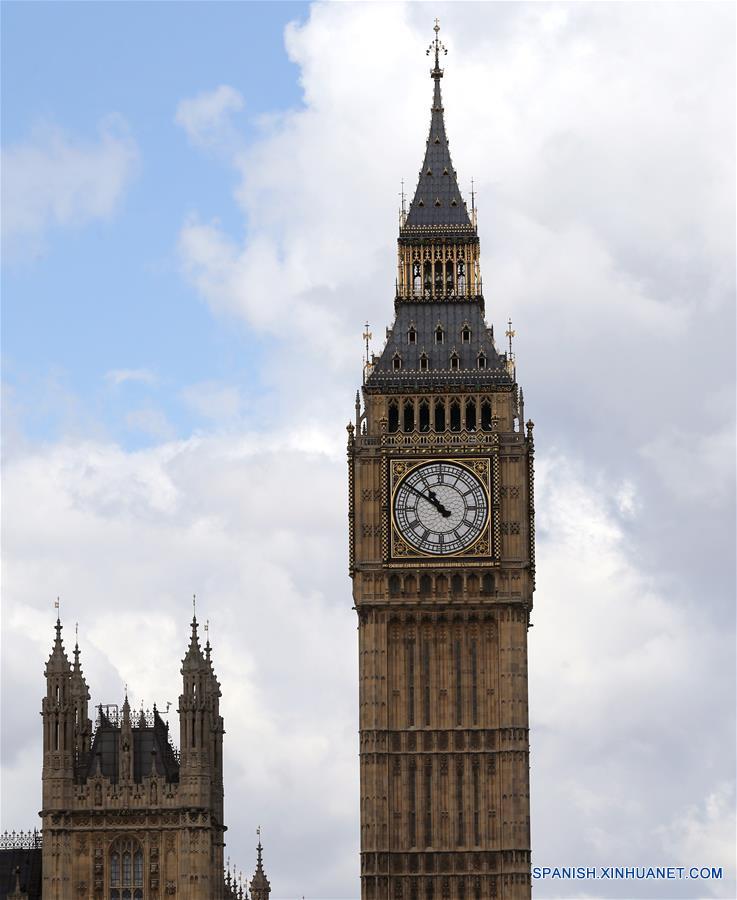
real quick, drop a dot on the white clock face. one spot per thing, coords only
(440, 508)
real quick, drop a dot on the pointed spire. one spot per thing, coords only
(437, 202)
(193, 657)
(76, 667)
(260, 887)
(58, 661)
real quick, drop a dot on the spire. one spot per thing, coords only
(437, 201)
(260, 887)
(193, 658)
(58, 661)
(76, 667)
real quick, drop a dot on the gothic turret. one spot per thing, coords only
(260, 887)
(58, 727)
(80, 696)
(201, 737)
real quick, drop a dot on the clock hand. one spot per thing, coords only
(431, 498)
(437, 504)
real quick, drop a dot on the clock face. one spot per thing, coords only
(440, 508)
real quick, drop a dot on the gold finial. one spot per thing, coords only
(510, 333)
(437, 46)
(194, 606)
(367, 337)
(56, 603)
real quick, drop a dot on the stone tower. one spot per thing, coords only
(125, 817)
(442, 560)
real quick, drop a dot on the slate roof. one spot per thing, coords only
(149, 742)
(425, 317)
(437, 201)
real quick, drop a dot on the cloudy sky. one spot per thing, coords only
(199, 213)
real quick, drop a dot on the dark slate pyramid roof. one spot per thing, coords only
(424, 318)
(437, 200)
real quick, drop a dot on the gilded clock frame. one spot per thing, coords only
(484, 549)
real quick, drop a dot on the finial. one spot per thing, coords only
(56, 607)
(437, 46)
(367, 337)
(194, 607)
(510, 333)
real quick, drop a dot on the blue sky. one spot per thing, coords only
(109, 295)
(199, 213)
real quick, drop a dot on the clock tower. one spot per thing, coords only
(442, 560)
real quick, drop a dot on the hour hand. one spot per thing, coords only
(432, 497)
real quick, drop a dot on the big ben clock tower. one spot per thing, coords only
(442, 561)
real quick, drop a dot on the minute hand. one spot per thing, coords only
(431, 498)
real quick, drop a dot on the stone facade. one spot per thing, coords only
(441, 526)
(126, 817)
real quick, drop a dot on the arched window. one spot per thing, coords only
(393, 416)
(487, 583)
(461, 277)
(126, 870)
(409, 415)
(466, 334)
(424, 415)
(423, 362)
(439, 335)
(455, 362)
(416, 279)
(455, 415)
(427, 277)
(471, 414)
(394, 585)
(482, 361)
(412, 335)
(396, 362)
(425, 585)
(456, 585)
(486, 415)
(449, 278)
(440, 415)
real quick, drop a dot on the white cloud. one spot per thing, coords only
(255, 529)
(54, 179)
(206, 117)
(602, 170)
(150, 421)
(212, 400)
(255, 526)
(599, 139)
(705, 833)
(121, 376)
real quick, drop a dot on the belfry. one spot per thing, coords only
(441, 544)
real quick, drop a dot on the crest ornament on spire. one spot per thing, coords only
(438, 47)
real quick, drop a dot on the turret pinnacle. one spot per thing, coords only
(260, 887)
(58, 661)
(193, 658)
(437, 201)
